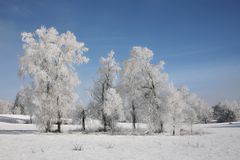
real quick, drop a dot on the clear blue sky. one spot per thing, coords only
(198, 39)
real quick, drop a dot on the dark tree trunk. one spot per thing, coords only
(174, 127)
(22, 110)
(30, 119)
(59, 116)
(104, 119)
(205, 120)
(48, 127)
(59, 122)
(191, 128)
(83, 119)
(59, 127)
(133, 116)
(161, 127)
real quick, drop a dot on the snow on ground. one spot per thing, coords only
(24, 142)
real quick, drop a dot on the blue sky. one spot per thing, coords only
(198, 39)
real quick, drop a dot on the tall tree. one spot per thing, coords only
(175, 108)
(107, 74)
(154, 90)
(49, 59)
(142, 84)
(132, 79)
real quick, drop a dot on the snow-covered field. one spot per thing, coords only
(20, 141)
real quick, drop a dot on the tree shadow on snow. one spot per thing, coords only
(229, 125)
(117, 131)
(16, 132)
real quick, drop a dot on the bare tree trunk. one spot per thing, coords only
(30, 119)
(48, 127)
(83, 119)
(48, 122)
(191, 127)
(161, 128)
(112, 125)
(133, 116)
(59, 116)
(104, 119)
(205, 120)
(174, 126)
(59, 122)
(22, 109)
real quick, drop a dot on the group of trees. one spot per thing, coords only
(141, 92)
(135, 90)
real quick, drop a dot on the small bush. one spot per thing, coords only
(109, 146)
(77, 147)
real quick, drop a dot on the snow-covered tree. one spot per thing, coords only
(175, 108)
(49, 59)
(79, 115)
(6, 107)
(24, 101)
(107, 74)
(189, 116)
(112, 107)
(233, 106)
(191, 103)
(154, 88)
(203, 111)
(227, 111)
(222, 113)
(132, 80)
(195, 104)
(18, 106)
(143, 87)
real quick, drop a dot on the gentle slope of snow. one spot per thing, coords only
(24, 142)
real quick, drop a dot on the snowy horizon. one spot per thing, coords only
(201, 49)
